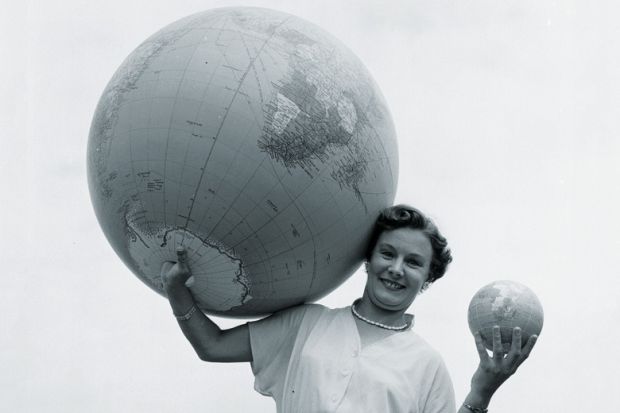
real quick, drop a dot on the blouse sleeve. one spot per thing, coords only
(272, 340)
(441, 396)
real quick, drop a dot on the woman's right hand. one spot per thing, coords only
(174, 274)
(208, 340)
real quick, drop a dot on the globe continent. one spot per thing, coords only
(256, 141)
(507, 304)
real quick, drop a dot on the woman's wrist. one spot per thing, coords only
(478, 398)
(483, 386)
(474, 409)
(180, 298)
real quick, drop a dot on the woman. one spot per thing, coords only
(362, 358)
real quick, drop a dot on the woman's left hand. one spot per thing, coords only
(495, 370)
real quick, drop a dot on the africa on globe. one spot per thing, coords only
(256, 141)
(507, 304)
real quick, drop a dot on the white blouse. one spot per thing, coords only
(309, 359)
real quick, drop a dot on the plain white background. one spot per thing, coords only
(507, 113)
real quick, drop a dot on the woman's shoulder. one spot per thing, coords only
(301, 311)
(288, 319)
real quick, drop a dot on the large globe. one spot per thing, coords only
(507, 304)
(256, 141)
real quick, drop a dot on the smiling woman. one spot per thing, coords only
(406, 254)
(365, 357)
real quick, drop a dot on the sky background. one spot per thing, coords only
(507, 114)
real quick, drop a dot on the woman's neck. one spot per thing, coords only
(366, 308)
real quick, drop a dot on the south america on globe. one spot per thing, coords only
(507, 304)
(256, 141)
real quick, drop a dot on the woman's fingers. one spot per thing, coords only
(182, 255)
(515, 347)
(527, 349)
(182, 260)
(482, 351)
(498, 348)
(516, 341)
(166, 267)
(175, 272)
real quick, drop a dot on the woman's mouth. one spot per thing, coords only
(391, 284)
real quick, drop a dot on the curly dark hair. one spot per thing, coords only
(401, 216)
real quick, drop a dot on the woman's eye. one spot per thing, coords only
(387, 254)
(413, 263)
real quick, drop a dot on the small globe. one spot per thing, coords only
(507, 304)
(255, 140)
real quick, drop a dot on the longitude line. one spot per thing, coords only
(221, 126)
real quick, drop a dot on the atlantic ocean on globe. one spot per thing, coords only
(255, 140)
(507, 304)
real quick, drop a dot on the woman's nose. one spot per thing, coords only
(396, 268)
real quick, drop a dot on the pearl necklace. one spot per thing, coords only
(375, 323)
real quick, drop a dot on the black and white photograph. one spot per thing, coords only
(310, 206)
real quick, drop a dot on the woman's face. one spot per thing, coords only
(398, 267)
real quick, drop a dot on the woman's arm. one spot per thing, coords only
(495, 370)
(208, 340)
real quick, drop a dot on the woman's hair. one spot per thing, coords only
(405, 216)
